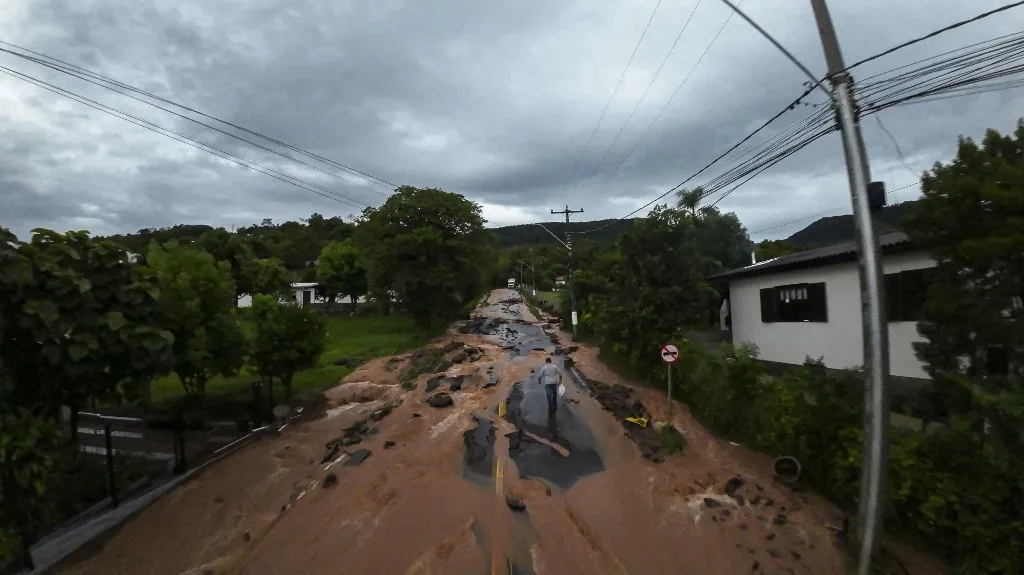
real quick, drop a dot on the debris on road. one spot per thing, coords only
(330, 480)
(357, 457)
(515, 503)
(620, 400)
(440, 400)
(389, 444)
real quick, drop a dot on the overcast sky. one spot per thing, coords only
(493, 100)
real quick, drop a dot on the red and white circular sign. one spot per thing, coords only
(669, 353)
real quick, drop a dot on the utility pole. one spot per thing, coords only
(876, 333)
(533, 274)
(572, 284)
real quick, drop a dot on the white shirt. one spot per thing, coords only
(549, 374)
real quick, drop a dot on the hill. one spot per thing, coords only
(838, 229)
(533, 234)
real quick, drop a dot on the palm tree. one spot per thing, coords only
(689, 200)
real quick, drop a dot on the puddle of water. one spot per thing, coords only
(479, 459)
(528, 411)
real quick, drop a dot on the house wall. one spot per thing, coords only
(839, 341)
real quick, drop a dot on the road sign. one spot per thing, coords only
(669, 353)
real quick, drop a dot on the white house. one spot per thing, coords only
(808, 304)
(302, 293)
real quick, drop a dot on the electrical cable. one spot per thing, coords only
(643, 96)
(935, 33)
(615, 91)
(671, 98)
(67, 68)
(185, 139)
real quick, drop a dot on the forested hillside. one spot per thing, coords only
(837, 229)
(532, 234)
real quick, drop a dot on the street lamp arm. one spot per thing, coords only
(554, 236)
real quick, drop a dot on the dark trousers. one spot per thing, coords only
(552, 392)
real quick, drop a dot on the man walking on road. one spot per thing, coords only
(550, 377)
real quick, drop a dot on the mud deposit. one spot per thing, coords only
(621, 401)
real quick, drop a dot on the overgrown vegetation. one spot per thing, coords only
(957, 488)
(84, 322)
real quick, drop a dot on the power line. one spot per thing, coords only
(672, 97)
(935, 33)
(895, 144)
(784, 224)
(643, 96)
(789, 107)
(614, 92)
(66, 68)
(185, 139)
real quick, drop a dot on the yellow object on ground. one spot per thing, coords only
(641, 421)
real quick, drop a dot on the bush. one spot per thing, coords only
(956, 489)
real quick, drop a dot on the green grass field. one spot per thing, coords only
(555, 298)
(364, 337)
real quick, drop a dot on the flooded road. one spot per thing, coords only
(462, 470)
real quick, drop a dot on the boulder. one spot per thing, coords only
(440, 400)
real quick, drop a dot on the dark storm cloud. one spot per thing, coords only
(491, 100)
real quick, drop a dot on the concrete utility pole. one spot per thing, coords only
(533, 274)
(572, 284)
(876, 332)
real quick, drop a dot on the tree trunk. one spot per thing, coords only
(287, 382)
(354, 304)
(73, 424)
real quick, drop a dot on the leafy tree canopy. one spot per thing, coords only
(428, 246)
(340, 272)
(288, 338)
(197, 306)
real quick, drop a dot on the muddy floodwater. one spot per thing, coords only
(469, 473)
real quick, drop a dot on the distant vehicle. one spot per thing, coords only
(511, 283)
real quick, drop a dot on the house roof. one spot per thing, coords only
(304, 285)
(837, 253)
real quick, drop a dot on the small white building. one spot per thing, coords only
(302, 293)
(808, 304)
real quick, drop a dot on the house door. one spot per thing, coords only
(307, 297)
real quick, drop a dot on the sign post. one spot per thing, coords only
(670, 355)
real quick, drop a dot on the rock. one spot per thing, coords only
(795, 554)
(732, 485)
(515, 503)
(755, 500)
(416, 415)
(332, 451)
(755, 566)
(711, 503)
(460, 357)
(774, 554)
(572, 349)
(247, 536)
(357, 457)
(355, 427)
(769, 537)
(352, 440)
(739, 499)
(455, 384)
(440, 400)
(769, 502)
(432, 383)
(330, 480)
(780, 519)
(389, 444)
(726, 513)
(452, 346)
(444, 366)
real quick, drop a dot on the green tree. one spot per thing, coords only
(971, 217)
(81, 323)
(198, 307)
(287, 339)
(689, 200)
(429, 247)
(31, 445)
(340, 272)
(771, 249)
(264, 276)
